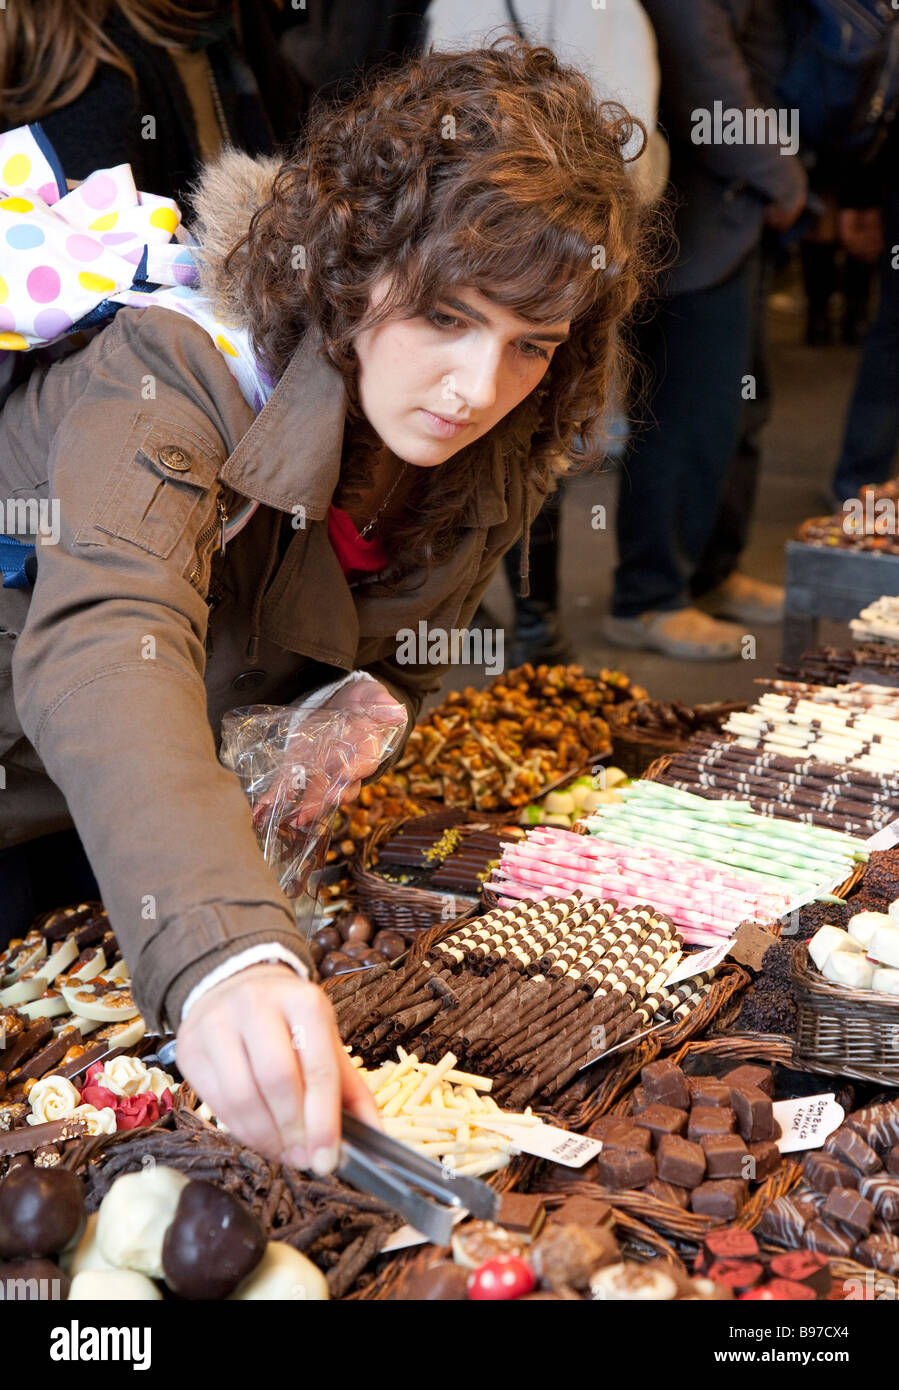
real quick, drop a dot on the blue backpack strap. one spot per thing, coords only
(14, 557)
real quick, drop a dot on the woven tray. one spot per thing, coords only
(633, 750)
(842, 1031)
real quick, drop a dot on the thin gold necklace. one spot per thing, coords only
(390, 491)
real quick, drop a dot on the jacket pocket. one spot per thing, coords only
(153, 490)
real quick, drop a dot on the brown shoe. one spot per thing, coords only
(685, 634)
(745, 600)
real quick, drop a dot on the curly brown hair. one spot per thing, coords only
(498, 169)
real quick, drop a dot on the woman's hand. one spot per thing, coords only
(374, 708)
(262, 1049)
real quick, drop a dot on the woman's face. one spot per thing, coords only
(429, 386)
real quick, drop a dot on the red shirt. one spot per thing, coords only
(356, 554)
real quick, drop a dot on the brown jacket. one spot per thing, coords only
(116, 669)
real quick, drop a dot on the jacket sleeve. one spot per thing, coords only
(702, 63)
(108, 679)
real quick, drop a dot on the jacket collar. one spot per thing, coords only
(290, 456)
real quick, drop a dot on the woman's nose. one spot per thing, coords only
(475, 378)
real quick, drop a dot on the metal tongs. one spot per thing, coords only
(390, 1171)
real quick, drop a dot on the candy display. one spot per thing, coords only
(863, 523)
(497, 748)
(528, 995)
(673, 720)
(454, 860)
(851, 726)
(567, 805)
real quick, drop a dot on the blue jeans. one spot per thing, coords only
(697, 348)
(872, 426)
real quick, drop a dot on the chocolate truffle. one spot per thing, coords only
(826, 1238)
(754, 1112)
(882, 1191)
(849, 1209)
(761, 1078)
(849, 1147)
(444, 1281)
(766, 1159)
(822, 1172)
(617, 1168)
(566, 1256)
(41, 1212)
(618, 1133)
(669, 1193)
(708, 1090)
(212, 1244)
(879, 1252)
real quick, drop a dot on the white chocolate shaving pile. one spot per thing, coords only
(443, 1113)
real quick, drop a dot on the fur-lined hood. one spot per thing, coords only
(224, 197)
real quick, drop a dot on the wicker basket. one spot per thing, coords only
(633, 750)
(843, 1031)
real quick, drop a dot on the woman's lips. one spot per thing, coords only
(442, 428)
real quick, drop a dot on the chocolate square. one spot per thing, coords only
(882, 1191)
(822, 1171)
(661, 1120)
(762, 1078)
(522, 1213)
(639, 1100)
(589, 1212)
(618, 1133)
(669, 1193)
(680, 1161)
(767, 1159)
(665, 1084)
(710, 1119)
(786, 1220)
(721, 1197)
(830, 1241)
(879, 1252)
(850, 1210)
(708, 1090)
(754, 1112)
(618, 1169)
(848, 1146)
(725, 1155)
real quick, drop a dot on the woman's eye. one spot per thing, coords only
(442, 320)
(534, 350)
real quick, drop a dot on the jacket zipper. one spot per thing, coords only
(217, 525)
(217, 103)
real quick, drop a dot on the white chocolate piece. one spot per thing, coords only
(282, 1274)
(884, 945)
(92, 967)
(632, 1281)
(886, 981)
(113, 1285)
(29, 957)
(124, 1034)
(829, 938)
(864, 924)
(849, 968)
(45, 1008)
(134, 1217)
(58, 961)
(84, 1025)
(87, 1253)
(79, 1000)
(119, 971)
(23, 991)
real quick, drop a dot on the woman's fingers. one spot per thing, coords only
(229, 1086)
(275, 1062)
(312, 1026)
(357, 1098)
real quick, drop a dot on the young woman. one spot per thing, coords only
(430, 294)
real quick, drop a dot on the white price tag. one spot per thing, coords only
(885, 838)
(407, 1236)
(697, 961)
(547, 1141)
(806, 1123)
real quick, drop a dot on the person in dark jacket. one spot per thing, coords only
(684, 494)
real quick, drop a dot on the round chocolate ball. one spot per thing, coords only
(41, 1212)
(336, 963)
(390, 944)
(371, 958)
(356, 928)
(356, 949)
(328, 938)
(32, 1281)
(212, 1244)
(317, 952)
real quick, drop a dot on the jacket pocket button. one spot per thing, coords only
(174, 457)
(248, 680)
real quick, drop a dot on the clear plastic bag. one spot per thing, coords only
(294, 765)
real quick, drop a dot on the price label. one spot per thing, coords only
(698, 961)
(807, 1122)
(885, 838)
(548, 1141)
